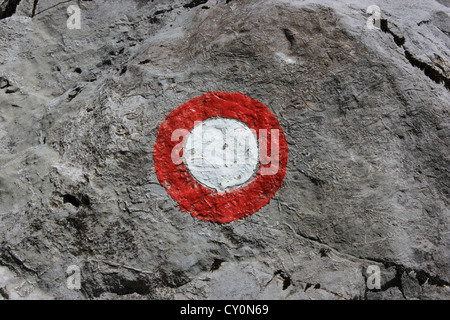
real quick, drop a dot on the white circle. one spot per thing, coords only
(221, 153)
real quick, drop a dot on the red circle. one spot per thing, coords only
(193, 197)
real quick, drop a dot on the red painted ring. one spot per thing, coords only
(192, 196)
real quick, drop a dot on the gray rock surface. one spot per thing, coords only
(365, 112)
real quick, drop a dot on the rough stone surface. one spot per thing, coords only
(365, 112)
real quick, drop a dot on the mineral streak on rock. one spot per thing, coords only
(365, 113)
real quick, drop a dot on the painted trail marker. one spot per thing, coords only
(222, 156)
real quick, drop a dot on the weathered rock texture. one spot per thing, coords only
(365, 112)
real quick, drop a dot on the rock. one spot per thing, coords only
(8, 8)
(365, 113)
(11, 89)
(410, 285)
(16, 288)
(392, 293)
(4, 83)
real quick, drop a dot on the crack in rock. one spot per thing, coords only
(429, 71)
(8, 8)
(195, 3)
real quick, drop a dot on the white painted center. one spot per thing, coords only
(221, 153)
